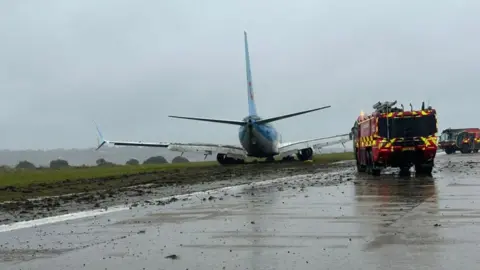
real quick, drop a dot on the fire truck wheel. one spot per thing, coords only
(368, 167)
(371, 169)
(404, 171)
(361, 168)
(466, 149)
(424, 169)
(376, 171)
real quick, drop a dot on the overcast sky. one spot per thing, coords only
(129, 64)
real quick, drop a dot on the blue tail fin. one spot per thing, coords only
(252, 109)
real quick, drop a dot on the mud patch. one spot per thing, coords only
(247, 247)
(30, 254)
(280, 236)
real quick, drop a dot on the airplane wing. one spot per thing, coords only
(208, 149)
(290, 148)
(201, 148)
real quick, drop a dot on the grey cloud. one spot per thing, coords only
(128, 65)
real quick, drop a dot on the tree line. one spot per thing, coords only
(61, 163)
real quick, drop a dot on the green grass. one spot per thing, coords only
(23, 178)
(20, 178)
(333, 157)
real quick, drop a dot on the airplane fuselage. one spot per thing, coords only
(259, 140)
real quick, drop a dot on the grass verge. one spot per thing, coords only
(21, 178)
(333, 157)
(22, 184)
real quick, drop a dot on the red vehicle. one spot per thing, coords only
(394, 137)
(468, 141)
(465, 140)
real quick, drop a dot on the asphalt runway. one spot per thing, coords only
(327, 220)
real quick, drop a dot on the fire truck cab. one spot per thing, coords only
(394, 137)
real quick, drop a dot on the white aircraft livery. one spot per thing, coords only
(258, 138)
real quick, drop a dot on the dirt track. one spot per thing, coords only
(142, 187)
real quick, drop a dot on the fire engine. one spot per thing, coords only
(395, 137)
(465, 140)
(468, 141)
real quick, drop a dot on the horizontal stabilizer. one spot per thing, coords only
(238, 123)
(268, 120)
(103, 142)
(142, 144)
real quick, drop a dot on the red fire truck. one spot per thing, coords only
(468, 141)
(394, 137)
(465, 140)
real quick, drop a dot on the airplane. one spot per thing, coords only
(258, 137)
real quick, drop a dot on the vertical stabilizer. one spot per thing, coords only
(252, 109)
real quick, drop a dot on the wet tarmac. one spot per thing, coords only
(325, 220)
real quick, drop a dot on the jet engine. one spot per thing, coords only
(305, 154)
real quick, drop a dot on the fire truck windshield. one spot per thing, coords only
(400, 127)
(446, 137)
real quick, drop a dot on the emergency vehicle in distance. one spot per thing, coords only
(394, 137)
(465, 140)
(469, 141)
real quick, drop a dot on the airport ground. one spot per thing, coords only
(324, 218)
(30, 194)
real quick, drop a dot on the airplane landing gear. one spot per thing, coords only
(224, 160)
(288, 158)
(270, 159)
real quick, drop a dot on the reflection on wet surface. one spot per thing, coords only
(354, 222)
(398, 211)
